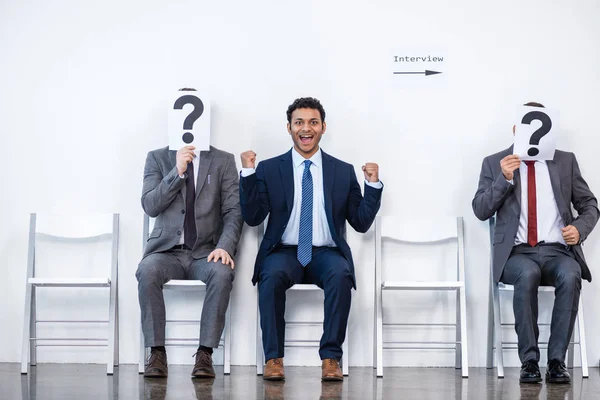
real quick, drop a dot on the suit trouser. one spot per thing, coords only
(547, 265)
(158, 268)
(281, 270)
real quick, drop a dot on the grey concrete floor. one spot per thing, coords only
(90, 382)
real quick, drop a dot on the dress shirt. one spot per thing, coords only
(321, 232)
(549, 221)
(196, 162)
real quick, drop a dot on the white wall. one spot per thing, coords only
(83, 98)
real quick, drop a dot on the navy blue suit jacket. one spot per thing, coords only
(270, 191)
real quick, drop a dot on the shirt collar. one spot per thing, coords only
(298, 160)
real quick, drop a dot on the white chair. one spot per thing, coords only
(260, 356)
(72, 230)
(421, 232)
(190, 285)
(495, 342)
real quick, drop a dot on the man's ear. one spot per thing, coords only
(289, 128)
(324, 128)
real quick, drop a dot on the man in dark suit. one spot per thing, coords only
(195, 200)
(537, 241)
(308, 196)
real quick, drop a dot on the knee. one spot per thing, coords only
(529, 279)
(569, 278)
(339, 277)
(272, 278)
(148, 273)
(222, 276)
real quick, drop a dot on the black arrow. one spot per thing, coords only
(426, 73)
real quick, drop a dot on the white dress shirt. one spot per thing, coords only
(549, 221)
(196, 162)
(321, 232)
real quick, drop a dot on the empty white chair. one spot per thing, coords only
(421, 232)
(495, 324)
(73, 230)
(260, 356)
(192, 285)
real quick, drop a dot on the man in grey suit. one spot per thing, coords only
(195, 201)
(537, 241)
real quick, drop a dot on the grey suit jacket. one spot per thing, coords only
(217, 208)
(497, 196)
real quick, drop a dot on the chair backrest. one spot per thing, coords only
(419, 231)
(148, 226)
(70, 228)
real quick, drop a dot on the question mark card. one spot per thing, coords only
(189, 121)
(535, 133)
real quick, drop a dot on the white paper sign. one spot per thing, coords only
(535, 134)
(189, 121)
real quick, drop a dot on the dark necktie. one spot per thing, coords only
(532, 238)
(189, 225)
(305, 233)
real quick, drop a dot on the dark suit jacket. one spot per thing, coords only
(217, 206)
(497, 196)
(270, 191)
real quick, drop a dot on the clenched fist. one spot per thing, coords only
(371, 171)
(571, 235)
(185, 155)
(248, 159)
(509, 164)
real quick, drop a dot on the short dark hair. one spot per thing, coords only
(305, 102)
(187, 89)
(534, 104)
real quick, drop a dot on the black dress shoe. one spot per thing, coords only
(556, 372)
(530, 372)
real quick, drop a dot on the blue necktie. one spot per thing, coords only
(306, 217)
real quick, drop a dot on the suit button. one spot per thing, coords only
(178, 233)
(183, 211)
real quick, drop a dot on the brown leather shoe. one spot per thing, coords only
(331, 370)
(274, 370)
(203, 367)
(156, 365)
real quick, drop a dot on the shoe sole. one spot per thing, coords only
(155, 375)
(332, 379)
(203, 376)
(558, 380)
(274, 378)
(530, 380)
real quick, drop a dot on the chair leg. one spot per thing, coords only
(25, 348)
(458, 349)
(142, 352)
(116, 357)
(111, 330)
(379, 332)
(498, 330)
(33, 327)
(227, 342)
(571, 351)
(259, 349)
(582, 341)
(463, 334)
(490, 329)
(345, 357)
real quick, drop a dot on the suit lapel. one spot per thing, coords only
(287, 178)
(203, 168)
(173, 159)
(555, 182)
(328, 178)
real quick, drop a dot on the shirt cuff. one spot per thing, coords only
(512, 182)
(247, 172)
(374, 185)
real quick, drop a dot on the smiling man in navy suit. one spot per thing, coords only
(308, 196)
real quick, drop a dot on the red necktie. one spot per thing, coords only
(532, 238)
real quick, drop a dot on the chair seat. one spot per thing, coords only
(507, 288)
(304, 286)
(70, 282)
(184, 284)
(421, 285)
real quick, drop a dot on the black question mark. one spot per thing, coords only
(194, 115)
(541, 132)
